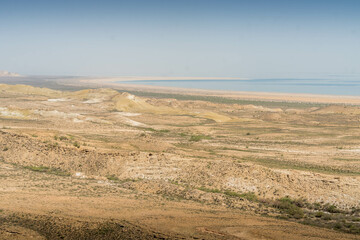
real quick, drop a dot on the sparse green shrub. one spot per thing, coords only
(209, 190)
(300, 202)
(175, 182)
(44, 169)
(295, 212)
(5, 149)
(164, 130)
(149, 129)
(76, 144)
(288, 206)
(284, 217)
(52, 145)
(197, 138)
(332, 209)
(249, 195)
(337, 226)
(63, 138)
(316, 206)
(37, 168)
(355, 211)
(326, 217)
(319, 214)
(112, 177)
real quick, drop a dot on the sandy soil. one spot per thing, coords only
(34, 206)
(103, 164)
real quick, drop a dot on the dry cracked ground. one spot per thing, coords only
(108, 164)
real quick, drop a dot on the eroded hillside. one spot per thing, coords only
(298, 162)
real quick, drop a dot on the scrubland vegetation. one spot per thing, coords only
(214, 158)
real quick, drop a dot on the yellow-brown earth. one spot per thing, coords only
(107, 164)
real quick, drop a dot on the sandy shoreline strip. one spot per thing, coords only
(260, 96)
(151, 78)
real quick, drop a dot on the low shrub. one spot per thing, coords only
(249, 195)
(197, 138)
(288, 206)
(331, 209)
(48, 170)
(112, 177)
(76, 144)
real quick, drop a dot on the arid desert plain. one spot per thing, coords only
(88, 159)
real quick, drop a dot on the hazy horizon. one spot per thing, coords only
(247, 39)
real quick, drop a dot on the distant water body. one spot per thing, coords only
(312, 86)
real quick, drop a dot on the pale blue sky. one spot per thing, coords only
(181, 38)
